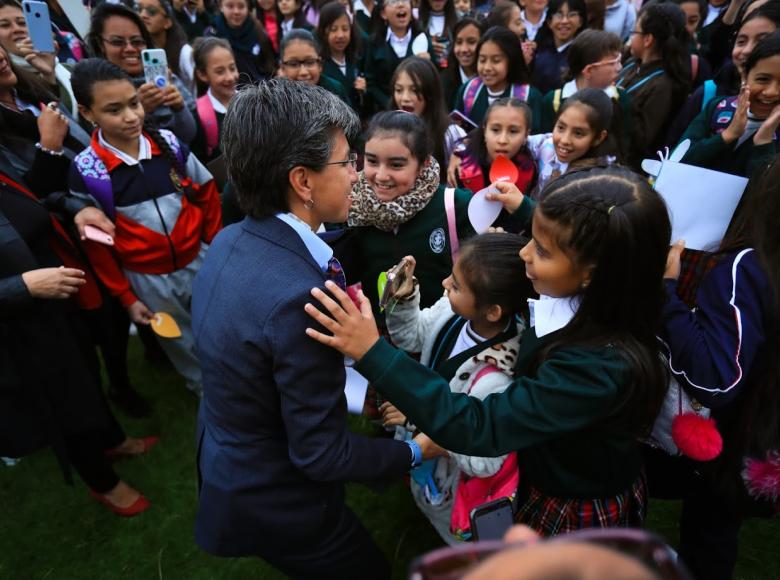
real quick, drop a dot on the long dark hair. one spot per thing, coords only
(450, 16)
(30, 87)
(517, 73)
(90, 71)
(476, 139)
(666, 22)
(494, 272)
(411, 130)
(427, 83)
(452, 72)
(331, 12)
(610, 219)
(544, 38)
(603, 114)
(103, 12)
(500, 13)
(201, 49)
(756, 428)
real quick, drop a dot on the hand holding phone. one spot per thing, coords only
(155, 64)
(97, 235)
(399, 282)
(36, 14)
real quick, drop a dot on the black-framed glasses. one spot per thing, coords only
(352, 160)
(454, 562)
(309, 63)
(119, 42)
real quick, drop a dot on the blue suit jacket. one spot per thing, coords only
(273, 444)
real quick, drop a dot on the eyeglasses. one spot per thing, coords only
(352, 160)
(309, 63)
(118, 42)
(396, 2)
(150, 10)
(566, 15)
(454, 562)
(639, 32)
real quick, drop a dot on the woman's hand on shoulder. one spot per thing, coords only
(53, 283)
(353, 331)
(509, 195)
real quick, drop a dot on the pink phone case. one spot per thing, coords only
(98, 235)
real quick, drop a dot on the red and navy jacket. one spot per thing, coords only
(161, 217)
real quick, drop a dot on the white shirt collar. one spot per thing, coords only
(463, 76)
(550, 314)
(358, 6)
(319, 250)
(218, 107)
(144, 149)
(564, 46)
(530, 28)
(571, 87)
(287, 25)
(399, 45)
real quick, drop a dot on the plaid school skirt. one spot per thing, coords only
(551, 516)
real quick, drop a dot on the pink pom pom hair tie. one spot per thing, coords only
(762, 478)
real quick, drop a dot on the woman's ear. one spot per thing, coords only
(300, 183)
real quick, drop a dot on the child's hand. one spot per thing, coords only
(407, 288)
(391, 415)
(766, 132)
(739, 121)
(92, 216)
(672, 271)
(429, 448)
(139, 313)
(151, 97)
(360, 84)
(510, 196)
(529, 51)
(453, 170)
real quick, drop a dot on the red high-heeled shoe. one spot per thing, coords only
(138, 506)
(148, 442)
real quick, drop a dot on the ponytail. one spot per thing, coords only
(666, 22)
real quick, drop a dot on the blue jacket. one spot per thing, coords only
(713, 349)
(274, 449)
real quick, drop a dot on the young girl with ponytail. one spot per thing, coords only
(163, 202)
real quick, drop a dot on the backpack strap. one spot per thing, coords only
(520, 92)
(710, 89)
(449, 208)
(470, 94)
(557, 100)
(96, 179)
(723, 113)
(208, 118)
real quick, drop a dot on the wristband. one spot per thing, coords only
(416, 453)
(59, 153)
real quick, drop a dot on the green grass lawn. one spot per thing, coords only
(50, 530)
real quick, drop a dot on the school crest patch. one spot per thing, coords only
(437, 240)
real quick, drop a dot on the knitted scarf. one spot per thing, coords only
(241, 39)
(368, 210)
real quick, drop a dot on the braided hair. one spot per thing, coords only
(610, 221)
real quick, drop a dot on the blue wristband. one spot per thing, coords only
(416, 453)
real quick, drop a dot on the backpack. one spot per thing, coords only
(474, 87)
(208, 119)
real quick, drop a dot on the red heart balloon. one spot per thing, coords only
(503, 170)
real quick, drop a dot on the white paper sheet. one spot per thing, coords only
(549, 314)
(355, 389)
(78, 15)
(482, 213)
(701, 202)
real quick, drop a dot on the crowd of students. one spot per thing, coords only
(574, 94)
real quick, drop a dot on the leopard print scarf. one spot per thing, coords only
(367, 210)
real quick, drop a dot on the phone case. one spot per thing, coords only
(155, 66)
(395, 279)
(36, 14)
(98, 235)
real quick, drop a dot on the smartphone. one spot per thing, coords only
(155, 66)
(462, 121)
(36, 14)
(396, 276)
(491, 520)
(98, 235)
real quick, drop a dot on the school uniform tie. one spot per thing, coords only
(335, 273)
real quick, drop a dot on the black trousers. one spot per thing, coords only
(346, 551)
(709, 523)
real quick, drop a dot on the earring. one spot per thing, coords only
(309, 203)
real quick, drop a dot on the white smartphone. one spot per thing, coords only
(36, 14)
(155, 64)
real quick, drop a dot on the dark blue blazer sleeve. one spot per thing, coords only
(712, 348)
(310, 380)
